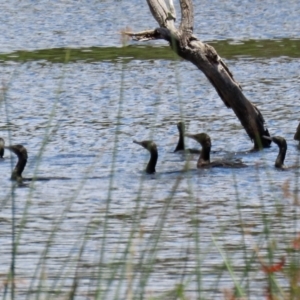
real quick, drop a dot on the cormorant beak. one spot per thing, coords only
(136, 142)
(19, 150)
(11, 148)
(190, 136)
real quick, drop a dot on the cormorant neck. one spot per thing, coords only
(2, 144)
(19, 168)
(204, 158)
(205, 153)
(152, 162)
(279, 163)
(297, 134)
(180, 145)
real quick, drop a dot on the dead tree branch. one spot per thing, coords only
(205, 58)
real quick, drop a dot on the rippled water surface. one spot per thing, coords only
(78, 119)
(52, 24)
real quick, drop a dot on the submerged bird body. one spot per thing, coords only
(152, 148)
(2, 145)
(204, 160)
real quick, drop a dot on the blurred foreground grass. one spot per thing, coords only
(276, 256)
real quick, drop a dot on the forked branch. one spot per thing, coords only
(206, 58)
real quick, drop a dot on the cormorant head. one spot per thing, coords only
(181, 127)
(19, 150)
(201, 138)
(280, 142)
(149, 145)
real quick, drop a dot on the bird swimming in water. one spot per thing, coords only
(2, 145)
(22, 155)
(282, 145)
(297, 135)
(181, 130)
(21, 152)
(204, 160)
(152, 148)
(180, 145)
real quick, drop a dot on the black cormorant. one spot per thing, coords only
(152, 148)
(282, 145)
(297, 135)
(204, 159)
(181, 145)
(21, 152)
(22, 155)
(2, 144)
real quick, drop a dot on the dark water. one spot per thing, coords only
(87, 111)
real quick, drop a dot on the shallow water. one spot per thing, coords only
(86, 114)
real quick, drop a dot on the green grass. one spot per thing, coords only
(227, 49)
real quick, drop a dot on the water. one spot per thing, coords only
(83, 105)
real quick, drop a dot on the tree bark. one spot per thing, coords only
(205, 58)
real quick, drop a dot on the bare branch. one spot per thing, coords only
(187, 16)
(161, 14)
(172, 12)
(159, 11)
(142, 36)
(206, 59)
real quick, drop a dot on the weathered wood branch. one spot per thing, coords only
(161, 13)
(205, 58)
(187, 16)
(143, 35)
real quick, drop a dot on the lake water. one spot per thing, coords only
(77, 112)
